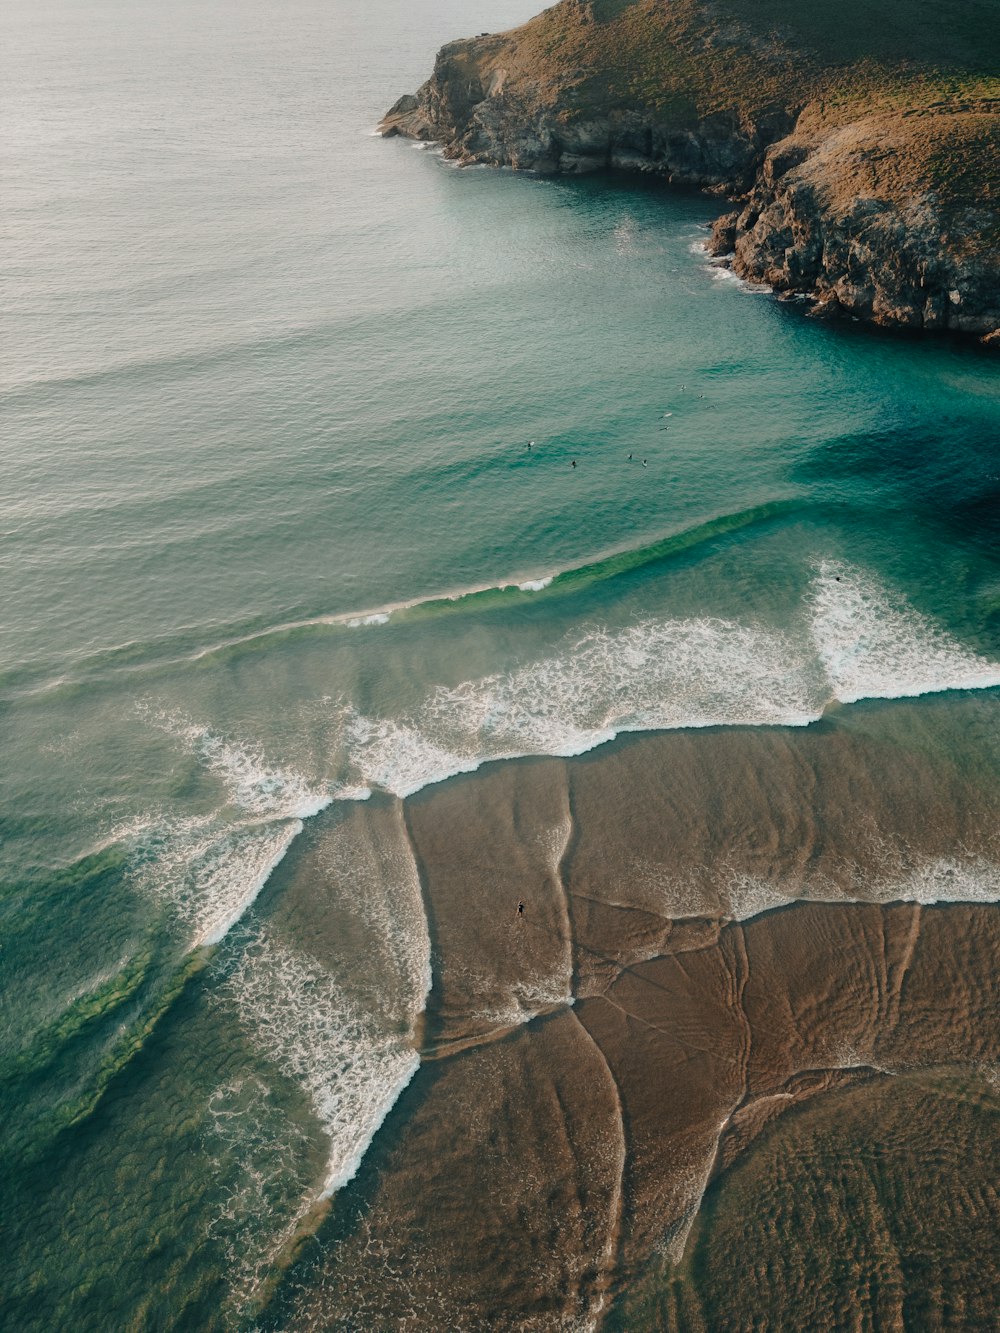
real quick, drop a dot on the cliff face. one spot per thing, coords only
(468, 106)
(826, 218)
(859, 186)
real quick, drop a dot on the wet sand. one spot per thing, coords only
(714, 974)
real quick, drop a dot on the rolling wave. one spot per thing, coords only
(189, 645)
(856, 640)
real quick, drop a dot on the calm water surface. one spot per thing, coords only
(268, 385)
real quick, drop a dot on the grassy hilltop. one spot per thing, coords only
(823, 111)
(681, 56)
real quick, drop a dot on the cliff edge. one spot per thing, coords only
(859, 140)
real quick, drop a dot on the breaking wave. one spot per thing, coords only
(874, 645)
(210, 868)
(859, 641)
(350, 1065)
(855, 639)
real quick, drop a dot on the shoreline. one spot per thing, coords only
(646, 1010)
(841, 179)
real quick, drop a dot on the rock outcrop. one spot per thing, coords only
(827, 218)
(885, 208)
(466, 108)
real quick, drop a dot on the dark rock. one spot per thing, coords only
(722, 240)
(818, 217)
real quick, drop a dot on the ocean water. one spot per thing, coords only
(275, 553)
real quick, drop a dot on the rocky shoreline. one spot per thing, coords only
(854, 251)
(854, 212)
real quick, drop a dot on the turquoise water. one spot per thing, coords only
(272, 541)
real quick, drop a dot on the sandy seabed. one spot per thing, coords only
(735, 1067)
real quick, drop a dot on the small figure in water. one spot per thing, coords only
(630, 458)
(530, 443)
(573, 464)
(520, 907)
(643, 462)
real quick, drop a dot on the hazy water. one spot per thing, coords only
(266, 378)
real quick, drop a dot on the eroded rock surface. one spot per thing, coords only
(860, 190)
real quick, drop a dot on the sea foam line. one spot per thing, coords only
(212, 867)
(860, 641)
(351, 1064)
(855, 639)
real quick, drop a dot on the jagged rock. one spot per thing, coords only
(863, 211)
(722, 240)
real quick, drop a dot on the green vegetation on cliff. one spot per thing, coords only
(861, 136)
(682, 56)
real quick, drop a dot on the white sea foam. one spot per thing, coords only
(947, 879)
(211, 867)
(873, 645)
(720, 268)
(721, 272)
(399, 757)
(208, 873)
(656, 674)
(524, 1000)
(251, 782)
(859, 640)
(257, 1153)
(535, 585)
(748, 896)
(376, 618)
(349, 1065)
(897, 877)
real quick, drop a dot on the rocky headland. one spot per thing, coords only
(859, 143)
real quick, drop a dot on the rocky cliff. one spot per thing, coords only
(862, 146)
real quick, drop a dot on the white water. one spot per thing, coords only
(350, 1067)
(873, 645)
(858, 640)
(211, 867)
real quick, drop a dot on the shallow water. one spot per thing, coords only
(275, 552)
